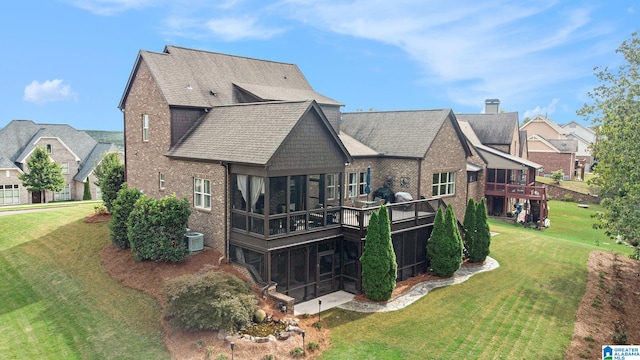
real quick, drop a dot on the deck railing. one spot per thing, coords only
(530, 192)
(403, 212)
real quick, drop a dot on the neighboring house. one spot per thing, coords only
(585, 136)
(274, 188)
(75, 151)
(549, 145)
(496, 129)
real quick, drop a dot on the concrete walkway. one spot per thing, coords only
(328, 301)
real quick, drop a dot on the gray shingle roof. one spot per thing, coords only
(93, 160)
(564, 145)
(260, 127)
(492, 129)
(187, 77)
(396, 133)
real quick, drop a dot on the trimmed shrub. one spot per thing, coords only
(87, 191)
(469, 225)
(379, 266)
(122, 207)
(110, 175)
(482, 241)
(444, 247)
(156, 229)
(210, 300)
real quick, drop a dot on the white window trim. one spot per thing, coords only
(200, 196)
(352, 185)
(161, 182)
(145, 127)
(331, 186)
(451, 182)
(65, 168)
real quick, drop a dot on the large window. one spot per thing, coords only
(9, 194)
(444, 184)
(145, 127)
(65, 194)
(202, 193)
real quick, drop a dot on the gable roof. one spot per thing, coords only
(555, 145)
(356, 148)
(197, 78)
(573, 122)
(492, 129)
(260, 127)
(399, 133)
(544, 120)
(94, 159)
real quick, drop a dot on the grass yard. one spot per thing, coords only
(525, 309)
(56, 300)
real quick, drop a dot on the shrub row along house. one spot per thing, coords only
(280, 181)
(76, 151)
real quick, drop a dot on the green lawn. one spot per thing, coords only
(579, 186)
(525, 309)
(56, 301)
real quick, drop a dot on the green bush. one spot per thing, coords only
(110, 175)
(557, 176)
(444, 247)
(122, 207)
(156, 229)
(482, 239)
(297, 352)
(210, 300)
(313, 346)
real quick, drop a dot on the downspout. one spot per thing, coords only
(420, 178)
(226, 211)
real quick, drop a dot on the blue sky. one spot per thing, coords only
(68, 61)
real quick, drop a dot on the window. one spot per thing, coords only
(352, 184)
(472, 176)
(9, 194)
(444, 184)
(331, 186)
(202, 193)
(7, 173)
(63, 195)
(49, 148)
(65, 167)
(145, 127)
(363, 183)
(161, 181)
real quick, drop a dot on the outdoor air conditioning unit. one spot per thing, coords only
(194, 241)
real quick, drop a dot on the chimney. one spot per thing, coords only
(491, 106)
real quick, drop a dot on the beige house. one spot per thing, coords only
(550, 146)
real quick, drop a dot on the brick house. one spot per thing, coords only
(76, 152)
(266, 163)
(585, 136)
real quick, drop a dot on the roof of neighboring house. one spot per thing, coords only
(545, 120)
(94, 159)
(522, 134)
(555, 145)
(197, 78)
(18, 139)
(399, 133)
(588, 128)
(356, 148)
(260, 127)
(492, 129)
(496, 159)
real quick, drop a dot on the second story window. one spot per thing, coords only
(363, 183)
(352, 185)
(49, 148)
(202, 193)
(65, 167)
(331, 186)
(444, 184)
(161, 181)
(145, 127)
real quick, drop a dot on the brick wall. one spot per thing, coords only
(552, 161)
(145, 160)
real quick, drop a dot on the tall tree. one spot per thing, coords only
(482, 240)
(615, 113)
(43, 174)
(87, 191)
(379, 267)
(444, 247)
(469, 224)
(110, 177)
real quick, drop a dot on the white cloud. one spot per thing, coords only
(234, 29)
(110, 7)
(544, 110)
(48, 91)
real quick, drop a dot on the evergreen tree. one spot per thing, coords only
(110, 175)
(482, 241)
(444, 247)
(87, 191)
(122, 207)
(43, 174)
(469, 225)
(379, 267)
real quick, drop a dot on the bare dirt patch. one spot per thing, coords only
(609, 307)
